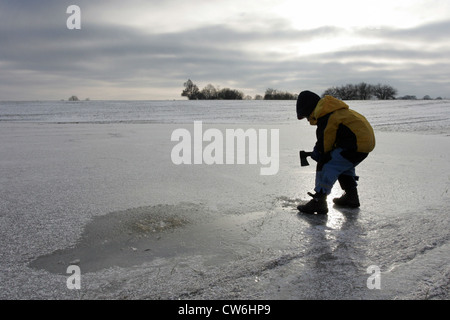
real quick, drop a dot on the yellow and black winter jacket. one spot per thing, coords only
(340, 127)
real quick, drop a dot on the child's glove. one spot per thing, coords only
(315, 155)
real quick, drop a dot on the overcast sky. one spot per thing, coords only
(139, 49)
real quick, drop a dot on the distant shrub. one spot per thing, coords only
(273, 94)
(362, 91)
(192, 92)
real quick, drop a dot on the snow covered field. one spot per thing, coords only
(96, 187)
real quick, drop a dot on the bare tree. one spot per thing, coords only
(190, 90)
(384, 92)
(331, 92)
(364, 91)
(348, 92)
(209, 92)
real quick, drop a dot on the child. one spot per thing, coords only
(344, 139)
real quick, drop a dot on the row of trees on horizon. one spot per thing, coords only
(364, 91)
(192, 92)
(360, 91)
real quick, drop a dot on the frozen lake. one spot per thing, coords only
(92, 184)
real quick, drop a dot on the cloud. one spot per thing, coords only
(118, 54)
(436, 31)
(111, 59)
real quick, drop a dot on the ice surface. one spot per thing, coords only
(430, 116)
(106, 196)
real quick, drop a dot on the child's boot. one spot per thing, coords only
(317, 204)
(349, 199)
